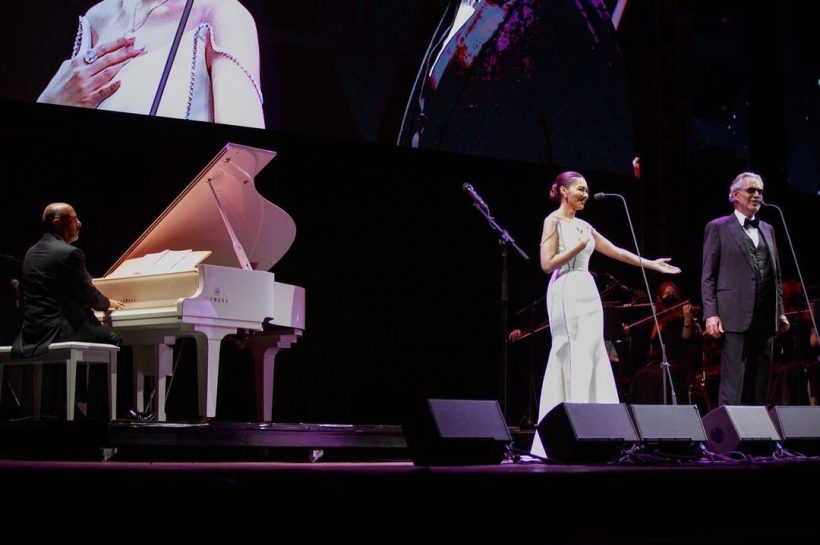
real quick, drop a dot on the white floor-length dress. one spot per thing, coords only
(578, 367)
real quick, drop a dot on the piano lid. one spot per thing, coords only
(221, 211)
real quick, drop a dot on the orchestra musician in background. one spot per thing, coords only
(121, 49)
(794, 367)
(682, 338)
(10, 316)
(742, 294)
(578, 367)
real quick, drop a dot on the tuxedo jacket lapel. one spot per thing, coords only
(741, 239)
(768, 235)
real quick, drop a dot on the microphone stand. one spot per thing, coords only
(796, 265)
(504, 239)
(666, 373)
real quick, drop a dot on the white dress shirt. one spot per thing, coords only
(752, 232)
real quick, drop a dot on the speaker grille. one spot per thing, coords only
(740, 428)
(661, 423)
(586, 432)
(799, 426)
(469, 419)
(753, 424)
(795, 422)
(457, 432)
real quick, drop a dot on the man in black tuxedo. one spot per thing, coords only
(58, 296)
(742, 294)
(531, 80)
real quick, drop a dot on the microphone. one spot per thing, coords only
(476, 197)
(794, 258)
(599, 196)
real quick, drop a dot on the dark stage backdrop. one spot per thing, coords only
(402, 274)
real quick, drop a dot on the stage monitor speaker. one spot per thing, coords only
(740, 428)
(586, 432)
(670, 427)
(798, 426)
(457, 432)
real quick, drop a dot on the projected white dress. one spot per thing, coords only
(188, 93)
(578, 368)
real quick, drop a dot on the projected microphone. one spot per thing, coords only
(664, 364)
(476, 197)
(796, 265)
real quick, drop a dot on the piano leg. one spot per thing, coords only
(208, 340)
(264, 347)
(155, 360)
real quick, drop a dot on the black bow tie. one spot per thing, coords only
(750, 223)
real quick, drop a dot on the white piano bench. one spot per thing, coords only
(68, 354)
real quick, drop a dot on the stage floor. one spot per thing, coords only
(234, 482)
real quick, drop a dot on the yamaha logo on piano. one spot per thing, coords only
(217, 296)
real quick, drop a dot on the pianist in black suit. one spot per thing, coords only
(58, 296)
(532, 80)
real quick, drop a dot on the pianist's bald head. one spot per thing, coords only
(60, 219)
(55, 210)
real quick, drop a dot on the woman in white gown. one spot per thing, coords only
(578, 368)
(120, 52)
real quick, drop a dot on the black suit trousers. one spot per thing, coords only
(745, 366)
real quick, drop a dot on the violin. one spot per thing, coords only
(664, 316)
(521, 334)
(795, 316)
(676, 312)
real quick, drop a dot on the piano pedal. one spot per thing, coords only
(141, 416)
(316, 455)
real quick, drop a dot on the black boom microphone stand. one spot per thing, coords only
(504, 239)
(665, 372)
(796, 266)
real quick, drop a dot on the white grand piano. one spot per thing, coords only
(201, 270)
